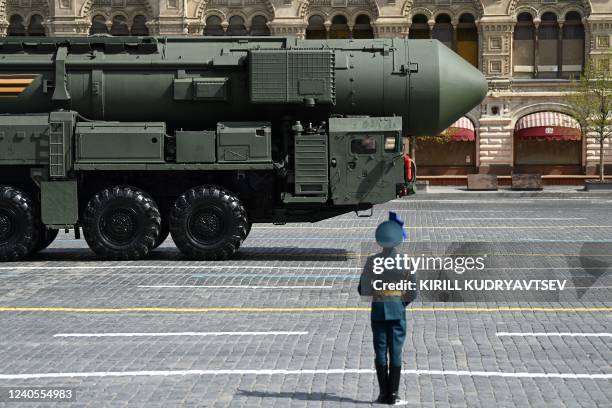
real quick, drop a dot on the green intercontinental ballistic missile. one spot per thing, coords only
(132, 138)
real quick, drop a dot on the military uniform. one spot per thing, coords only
(388, 318)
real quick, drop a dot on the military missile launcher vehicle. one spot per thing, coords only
(131, 138)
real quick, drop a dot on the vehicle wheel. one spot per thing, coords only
(121, 223)
(19, 224)
(209, 223)
(163, 232)
(47, 236)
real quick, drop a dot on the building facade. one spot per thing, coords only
(528, 49)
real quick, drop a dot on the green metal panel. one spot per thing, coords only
(195, 146)
(214, 89)
(244, 141)
(370, 176)
(311, 176)
(210, 88)
(24, 139)
(229, 166)
(59, 202)
(291, 76)
(183, 89)
(115, 142)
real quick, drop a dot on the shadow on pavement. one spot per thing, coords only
(302, 396)
(172, 254)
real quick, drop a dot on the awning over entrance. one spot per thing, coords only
(548, 126)
(462, 130)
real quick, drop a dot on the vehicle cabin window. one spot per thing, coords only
(363, 145)
(390, 143)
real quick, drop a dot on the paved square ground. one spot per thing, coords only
(281, 325)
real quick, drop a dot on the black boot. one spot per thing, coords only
(383, 384)
(394, 380)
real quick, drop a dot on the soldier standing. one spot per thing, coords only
(388, 311)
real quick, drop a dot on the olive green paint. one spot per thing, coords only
(371, 177)
(108, 142)
(24, 139)
(193, 83)
(59, 202)
(229, 104)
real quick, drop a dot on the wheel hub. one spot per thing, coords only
(6, 226)
(206, 225)
(120, 226)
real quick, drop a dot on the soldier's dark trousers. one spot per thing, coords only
(389, 336)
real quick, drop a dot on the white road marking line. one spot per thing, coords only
(588, 287)
(175, 334)
(237, 286)
(492, 199)
(167, 373)
(552, 334)
(169, 266)
(511, 218)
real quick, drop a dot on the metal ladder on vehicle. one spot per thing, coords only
(57, 162)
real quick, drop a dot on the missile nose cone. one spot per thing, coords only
(462, 86)
(445, 88)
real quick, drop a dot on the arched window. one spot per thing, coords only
(139, 25)
(16, 27)
(120, 26)
(213, 26)
(259, 26)
(523, 46)
(339, 28)
(98, 25)
(548, 47)
(573, 44)
(467, 38)
(36, 28)
(316, 28)
(419, 28)
(363, 27)
(236, 26)
(443, 30)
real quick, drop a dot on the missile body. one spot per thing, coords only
(194, 83)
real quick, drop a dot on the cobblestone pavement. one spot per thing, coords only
(281, 325)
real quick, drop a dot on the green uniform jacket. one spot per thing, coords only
(384, 307)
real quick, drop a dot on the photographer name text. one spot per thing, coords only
(472, 284)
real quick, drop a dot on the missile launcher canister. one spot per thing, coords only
(133, 138)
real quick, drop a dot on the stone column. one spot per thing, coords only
(4, 24)
(588, 41)
(536, 52)
(327, 25)
(495, 144)
(560, 49)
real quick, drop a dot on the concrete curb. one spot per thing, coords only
(464, 194)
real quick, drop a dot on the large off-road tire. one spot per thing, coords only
(47, 236)
(19, 224)
(121, 223)
(209, 223)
